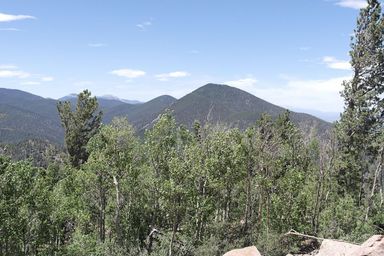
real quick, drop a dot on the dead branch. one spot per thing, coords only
(295, 233)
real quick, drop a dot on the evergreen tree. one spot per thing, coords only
(362, 120)
(80, 125)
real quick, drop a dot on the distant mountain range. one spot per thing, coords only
(27, 116)
(111, 98)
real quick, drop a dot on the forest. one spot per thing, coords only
(206, 189)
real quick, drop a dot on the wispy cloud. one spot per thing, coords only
(354, 4)
(304, 48)
(9, 29)
(128, 73)
(30, 83)
(321, 95)
(244, 84)
(144, 25)
(334, 63)
(175, 74)
(13, 73)
(10, 17)
(96, 45)
(47, 79)
(8, 66)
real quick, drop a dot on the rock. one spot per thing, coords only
(336, 248)
(374, 246)
(247, 251)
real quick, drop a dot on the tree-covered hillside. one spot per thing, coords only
(25, 116)
(229, 106)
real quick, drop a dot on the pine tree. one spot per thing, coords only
(362, 120)
(80, 125)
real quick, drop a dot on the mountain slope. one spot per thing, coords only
(222, 104)
(28, 101)
(24, 116)
(140, 115)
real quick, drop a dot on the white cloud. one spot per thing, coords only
(8, 66)
(167, 76)
(47, 79)
(30, 83)
(321, 95)
(128, 73)
(13, 71)
(96, 45)
(9, 29)
(334, 63)
(13, 74)
(9, 17)
(143, 26)
(244, 84)
(354, 4)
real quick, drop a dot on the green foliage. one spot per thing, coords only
(25, 209)
(41, 153)
(179, 192)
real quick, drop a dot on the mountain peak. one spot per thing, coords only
(211, 86)
(223, 104)
(164, 98)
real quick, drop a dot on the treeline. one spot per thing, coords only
(204, 190)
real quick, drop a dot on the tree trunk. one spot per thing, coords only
(174, 229)
(247, 213)
(381, 189)
(227, 204)
(175, 226)
(102, 221)
(117, 212)
(199, 212)
(102, 206)
(376, 176)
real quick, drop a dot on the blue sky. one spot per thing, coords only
(293, 53)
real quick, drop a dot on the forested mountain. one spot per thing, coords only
(140, 115)
(27, 116)
(222, 104)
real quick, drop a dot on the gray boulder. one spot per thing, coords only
(247, 251)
